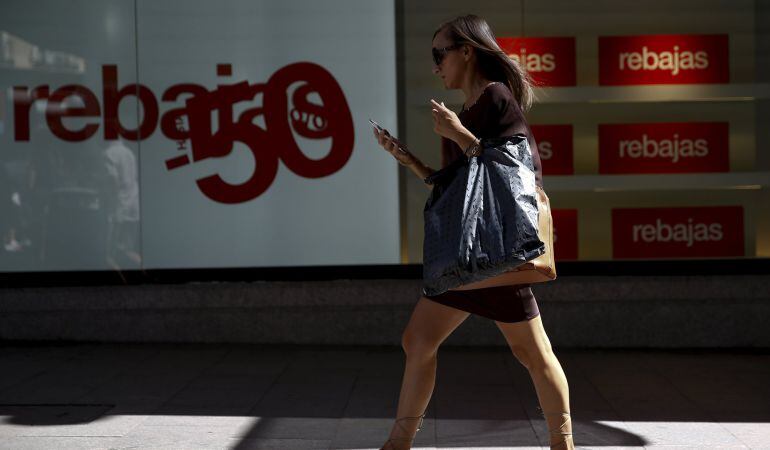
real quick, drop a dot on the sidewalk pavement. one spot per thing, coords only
(164, 396)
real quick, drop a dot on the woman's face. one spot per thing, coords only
(452, 65)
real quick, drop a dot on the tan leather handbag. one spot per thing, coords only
(540, 269)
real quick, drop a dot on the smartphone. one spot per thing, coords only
(377, 126)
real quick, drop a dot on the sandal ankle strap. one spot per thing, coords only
(419, 427)
(558, 430)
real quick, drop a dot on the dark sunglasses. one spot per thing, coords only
(439, 53)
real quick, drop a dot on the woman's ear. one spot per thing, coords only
(467, 49)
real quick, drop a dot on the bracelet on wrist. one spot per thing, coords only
(474, 149)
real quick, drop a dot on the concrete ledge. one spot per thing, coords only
(578, 312)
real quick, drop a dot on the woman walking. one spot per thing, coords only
(497, 92)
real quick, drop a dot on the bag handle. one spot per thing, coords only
(449, 171)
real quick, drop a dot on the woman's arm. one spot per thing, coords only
(405, 157)
(464, 139)
(420, 169)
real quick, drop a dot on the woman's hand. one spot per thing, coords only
(391, 145)
(445, 121)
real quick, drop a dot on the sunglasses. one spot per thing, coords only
(439, 53)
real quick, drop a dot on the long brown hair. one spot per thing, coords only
(493, 62)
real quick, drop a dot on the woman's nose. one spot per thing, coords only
(435, 69)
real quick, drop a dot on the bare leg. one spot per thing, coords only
(431, 323)
(530, 345)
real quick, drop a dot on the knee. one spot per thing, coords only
(418, 347)
(534, 359)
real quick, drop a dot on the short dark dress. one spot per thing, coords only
(495, 113)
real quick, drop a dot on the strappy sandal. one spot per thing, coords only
(558, 430)
(388, 443)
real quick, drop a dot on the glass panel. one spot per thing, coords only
(293, 176)
(69, 198)
(649, 121)
(242, 128)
